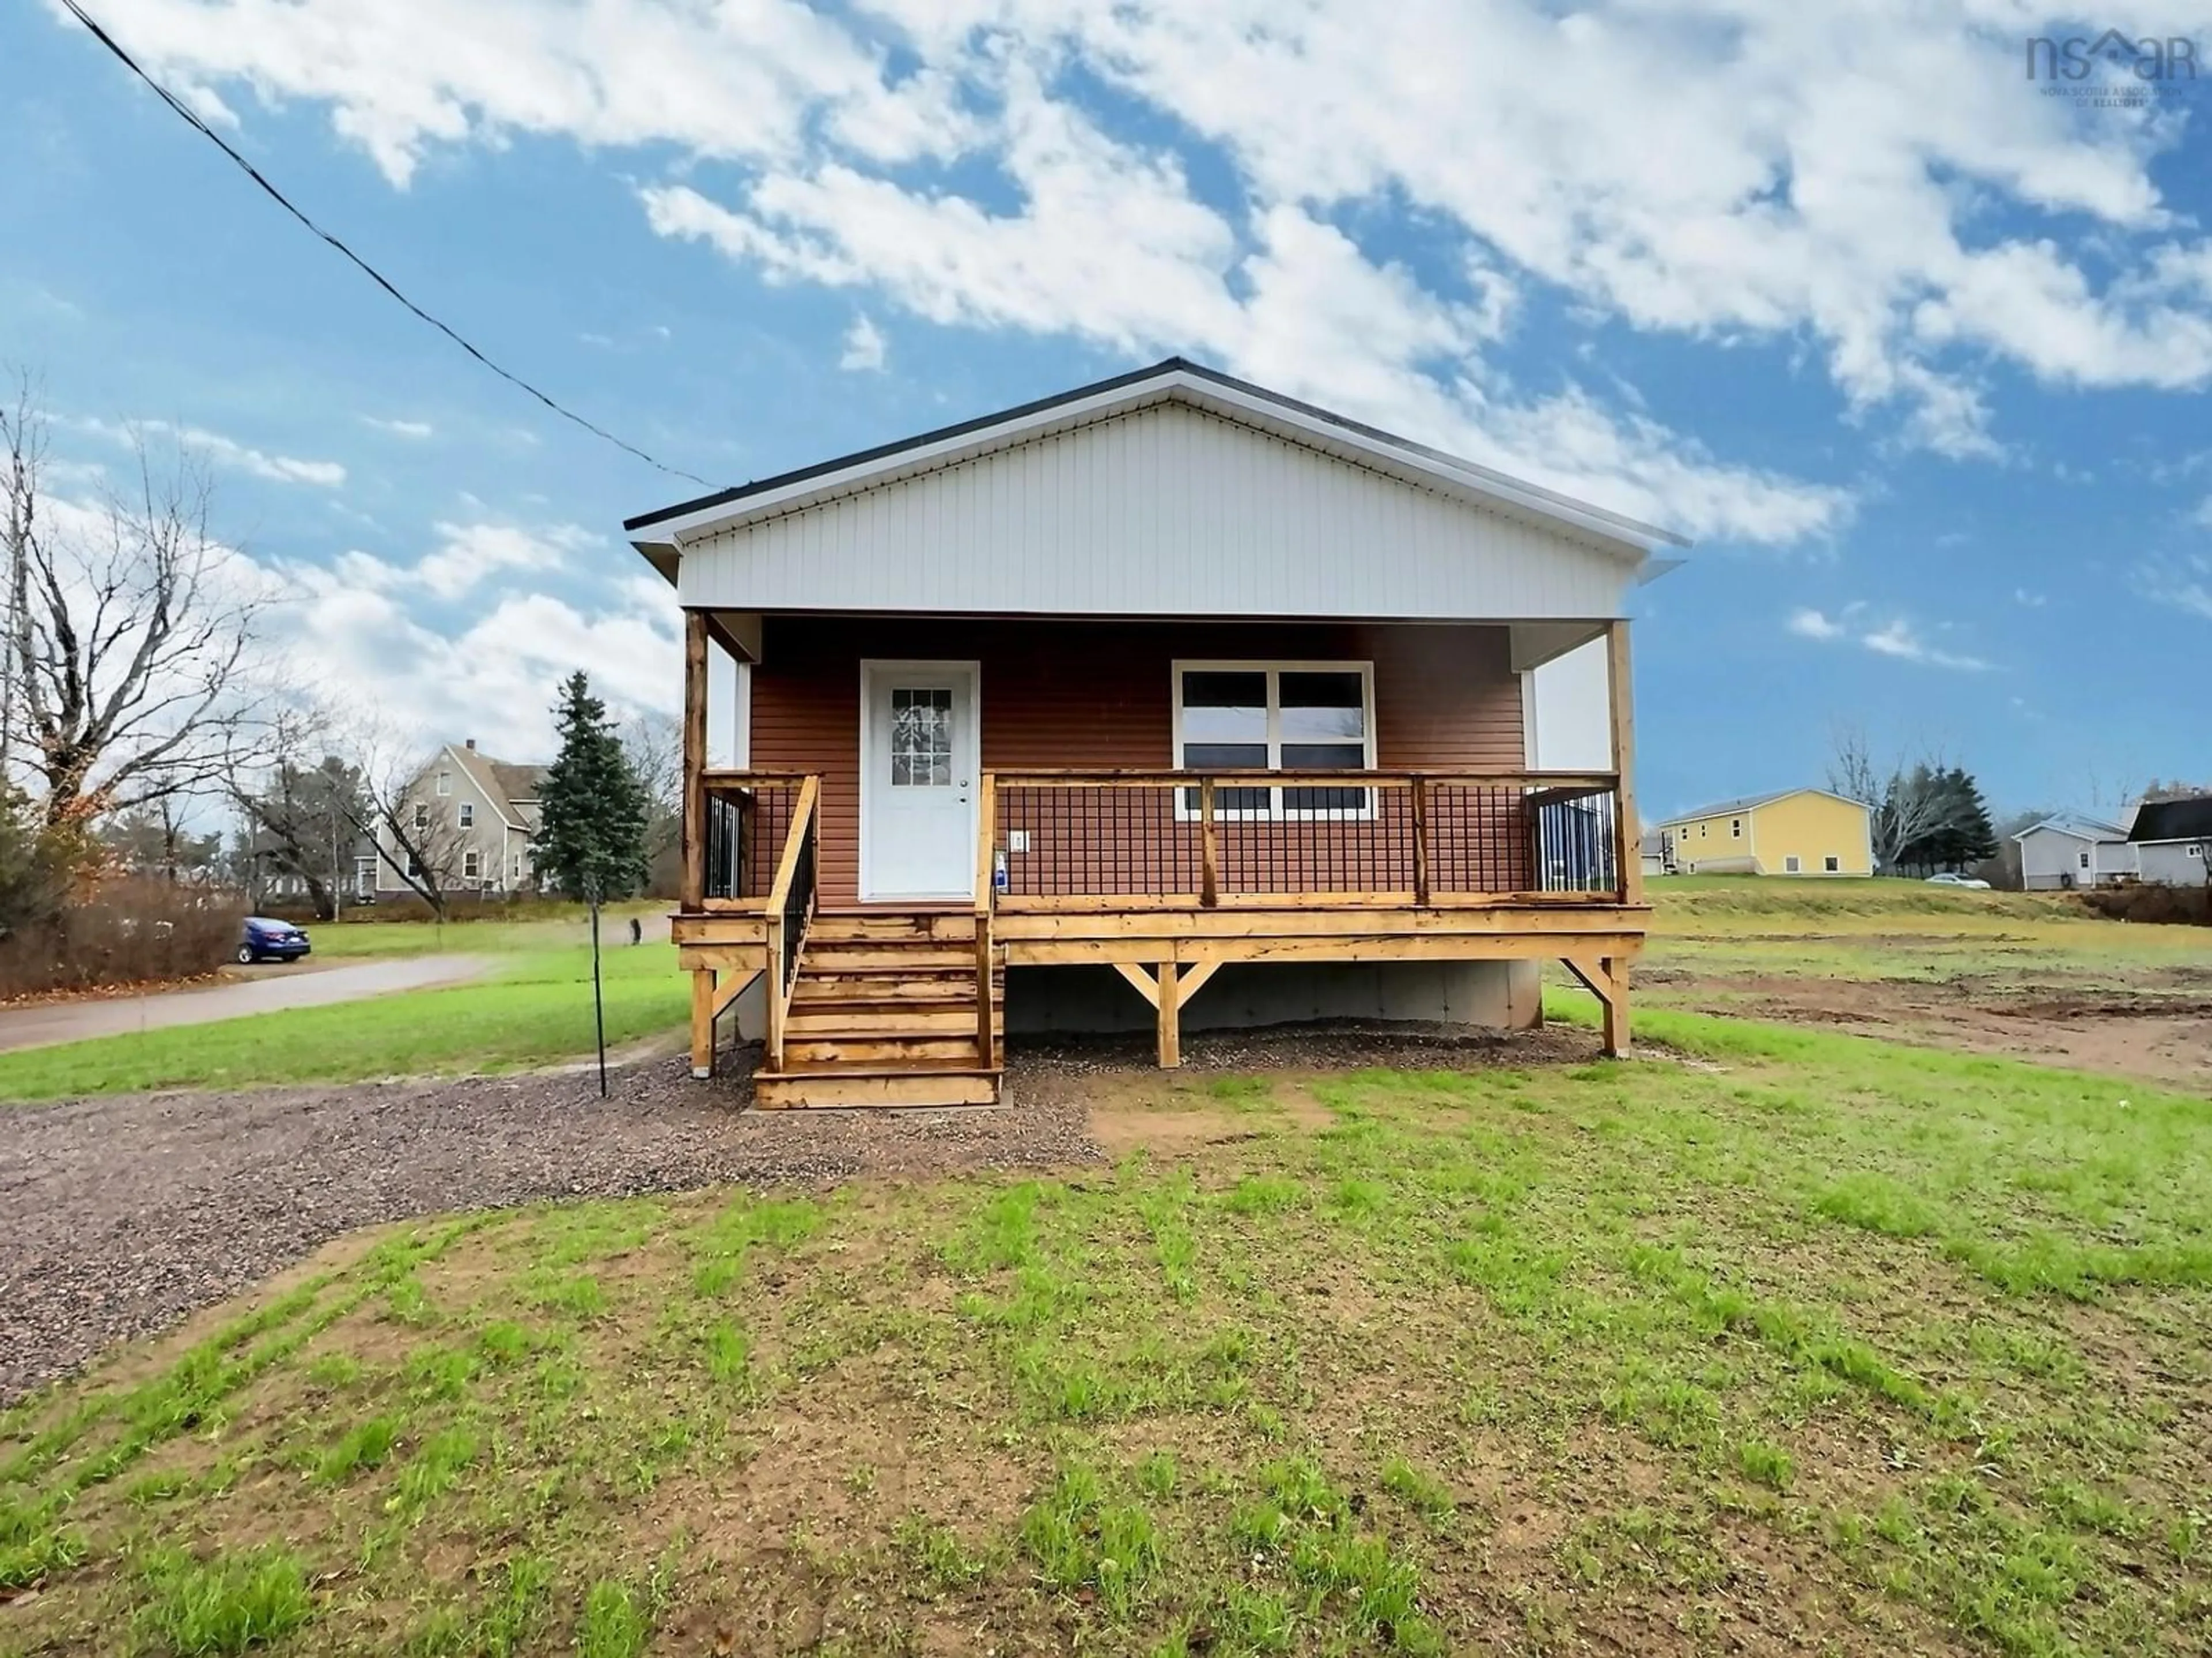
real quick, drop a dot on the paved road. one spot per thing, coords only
(269, 991)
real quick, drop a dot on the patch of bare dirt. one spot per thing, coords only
(2125, 1033)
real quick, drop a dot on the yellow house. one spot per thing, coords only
(1795, 832)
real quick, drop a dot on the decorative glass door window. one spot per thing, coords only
(1307, 717)
(921, 736)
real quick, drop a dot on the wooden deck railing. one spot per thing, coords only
(788, 908)
(1097, 840)
(748, 817)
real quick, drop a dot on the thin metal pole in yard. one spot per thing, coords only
(598, 1001)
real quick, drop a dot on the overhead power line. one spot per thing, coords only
(191, 118)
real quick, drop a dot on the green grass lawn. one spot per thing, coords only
(1795, 1341)
(1724, 927)
(568, 925)
(535, 1007)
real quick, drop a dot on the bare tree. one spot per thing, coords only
(131, 635)
(396, 805)
(24, 435)
(1905, 801)
(654, 745)
(300, 809)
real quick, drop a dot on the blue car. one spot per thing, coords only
(263, 940)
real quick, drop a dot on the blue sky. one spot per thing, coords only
(1917, 350)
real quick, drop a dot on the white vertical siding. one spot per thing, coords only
(1166, 511)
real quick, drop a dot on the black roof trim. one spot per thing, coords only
(1135, 377)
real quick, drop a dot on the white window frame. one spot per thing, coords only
(471, 865)
(467, 813)
(1736, 829)
(1275, 811)
(445, 782)
(1831, 863)
(422, 815)
(1792, 864)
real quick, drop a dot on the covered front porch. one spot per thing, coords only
(885, 896)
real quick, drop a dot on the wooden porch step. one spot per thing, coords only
(838, 1053)
(889, 984)
(839, 955)
(881, 1019)
(843, 926)
(911, 1082)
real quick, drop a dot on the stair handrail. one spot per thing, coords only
(775, 911)
(987, 815)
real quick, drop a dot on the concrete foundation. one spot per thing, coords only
(1494, 995)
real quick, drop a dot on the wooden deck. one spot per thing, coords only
(905, 1005)
(1163, 876)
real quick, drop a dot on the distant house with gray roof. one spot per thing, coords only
(2073, 849)
(473, 819)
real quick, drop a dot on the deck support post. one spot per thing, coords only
(1170, 1005)
(1628, 828)
(702, 1023)
(693, 892)
(1606, 977)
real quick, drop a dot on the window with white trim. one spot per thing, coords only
(468, 814)
(1790, 863)
(445, 782)
(1276, 716)
(422, 815)
(471, 865)
(1736, 829)
(1833, 865)
(2083, 858)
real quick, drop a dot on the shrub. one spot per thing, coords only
(121, 931)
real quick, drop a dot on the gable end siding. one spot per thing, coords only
(1165, 511)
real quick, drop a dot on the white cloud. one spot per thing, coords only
(1873, 180)
(1897, 637)
(223, 450)
(467, 555)
(400, 429)
(2032, 601)
(865, 349)
(2202, 516)
(2184, 584)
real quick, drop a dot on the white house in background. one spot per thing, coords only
(2172, 840)
(2071, 849)
(473, 819)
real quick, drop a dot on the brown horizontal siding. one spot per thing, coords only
(1079, 693)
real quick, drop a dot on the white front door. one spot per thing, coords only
(919, 752)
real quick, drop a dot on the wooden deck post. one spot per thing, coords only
(1171, 1003)
(1209, 849)
(1628, 828)
(693, 893)
(1616, 1006)
(1420, 800)
(987, 897)
(772, 1039)
(702, 1023)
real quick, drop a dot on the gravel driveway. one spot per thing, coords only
(120, 1215)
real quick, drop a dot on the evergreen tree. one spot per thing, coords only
(593, 809)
